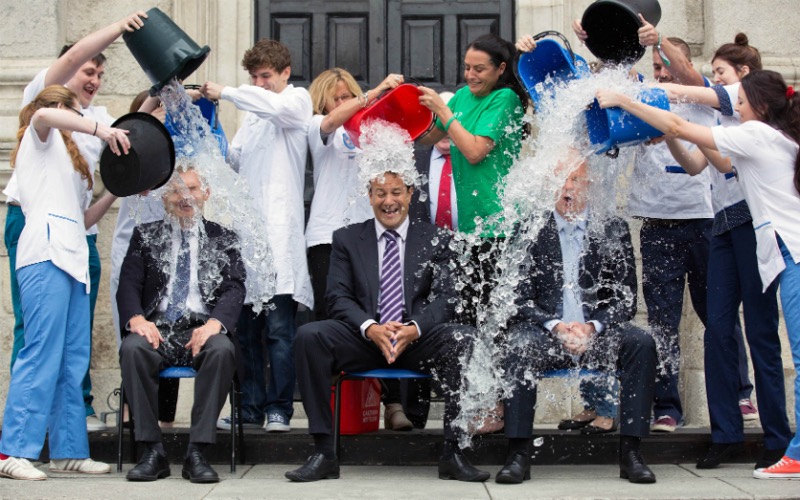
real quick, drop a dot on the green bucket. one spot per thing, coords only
(163, 50)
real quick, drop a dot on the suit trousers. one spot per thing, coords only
(625, 348)
(326, 348)
(215, 365)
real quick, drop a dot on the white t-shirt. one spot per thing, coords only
(269, 152)
(50, 193)
(339, 197)
(660, 188)
(765, 162)
(90, 146)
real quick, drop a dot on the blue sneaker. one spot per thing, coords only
(225, 424)
(277, 422)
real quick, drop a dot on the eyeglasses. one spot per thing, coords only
(75, 110)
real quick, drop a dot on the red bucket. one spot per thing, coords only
(399, 105)
(361, 406)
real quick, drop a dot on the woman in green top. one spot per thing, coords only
(484, 122)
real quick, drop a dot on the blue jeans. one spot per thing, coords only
(790, 301)
(733, 279)
(44, 396)
(673, 252)
(15, 223)
(275, 328)
(601, 394)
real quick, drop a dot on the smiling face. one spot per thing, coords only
(480, 73)
(185, 197)
(390, 200)
(743, 107)
(725, 73)
(269, 78)
(86, 82)
(573, 196)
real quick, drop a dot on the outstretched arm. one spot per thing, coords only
(347, 109)
(669, 123)
(88, 47)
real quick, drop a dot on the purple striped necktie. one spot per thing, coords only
(391, 299)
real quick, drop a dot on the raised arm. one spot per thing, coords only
(88, 47)
(347, 109)
(680, 67)
(46, 118)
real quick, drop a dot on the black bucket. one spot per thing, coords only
(150, 160)
(612, 27)
(163, 50)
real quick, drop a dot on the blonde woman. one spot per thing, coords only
(44, 396)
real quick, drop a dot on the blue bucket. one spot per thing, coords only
(614, 128)
(549, 59)
(209, 111)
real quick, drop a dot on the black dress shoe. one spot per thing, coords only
(151, 466)
(516, 469)
(592, 429)
(458, 467)
(569, 424)
(717, 454)
(197, 470)
(633, 468)
(316, 467)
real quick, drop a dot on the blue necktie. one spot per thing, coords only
(391, 299)
(180, 285)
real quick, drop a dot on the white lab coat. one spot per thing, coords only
(269, 151)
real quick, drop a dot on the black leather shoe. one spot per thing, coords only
(516, 469)
(458, 467)
(633, 468)
(151, 466)
(197, 470)
(769, 457)
(316, 467)
(717, 454)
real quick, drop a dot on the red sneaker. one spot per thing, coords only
(787, 468)
(749, 411)
(664, 423)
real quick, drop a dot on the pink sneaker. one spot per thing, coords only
(664, 423)
(749, 411)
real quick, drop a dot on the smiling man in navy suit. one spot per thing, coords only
(389, 298)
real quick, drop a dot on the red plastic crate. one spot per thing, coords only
(360, 406)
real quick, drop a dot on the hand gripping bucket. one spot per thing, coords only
(613, 128)
(210, 111)
(549, 60)
(399, 105)
(612, 27)
(150, 160)
(163, 50)
(361, 406)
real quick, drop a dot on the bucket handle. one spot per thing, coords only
(215, 125)
(543, 34)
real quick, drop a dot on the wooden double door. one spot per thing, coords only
(422, 39)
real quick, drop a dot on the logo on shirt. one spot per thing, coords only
(347, 142)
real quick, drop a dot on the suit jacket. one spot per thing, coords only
(354, 280)
(143, 278)
(607, 275)
(420, 211)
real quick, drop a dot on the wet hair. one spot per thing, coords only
(267, 53)
(766, 93)
(739, 54)
(138, 101)
(51, 97)
(681, 43)
(99, 59)
(324, 86)
(502, 51)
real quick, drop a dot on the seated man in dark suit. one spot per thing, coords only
(575, 308)
(180, 293)
(389, 298)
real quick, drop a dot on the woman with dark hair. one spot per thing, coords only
(733, 280)
(764, 151)
(484, 122)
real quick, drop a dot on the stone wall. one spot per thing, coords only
(35, 30)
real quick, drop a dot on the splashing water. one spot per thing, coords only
(386, 147)
(528, 194)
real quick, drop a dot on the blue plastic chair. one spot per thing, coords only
(378, 373)
(184, 372)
